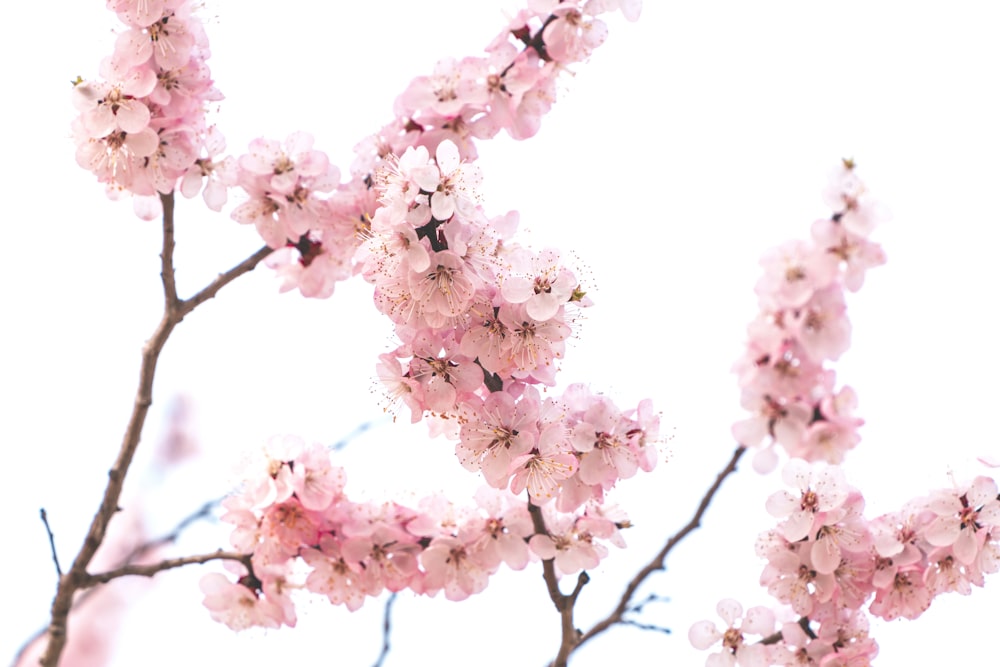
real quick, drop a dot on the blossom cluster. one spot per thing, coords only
(305, 535)
(317, 223)
(510, 88)
(482, 322)
(826, 561)
(802, 325)
(142, 127)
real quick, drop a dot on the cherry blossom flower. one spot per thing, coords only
(964, 519)
(822, 489)
(735, 650)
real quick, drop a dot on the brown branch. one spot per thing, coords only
(564, 603)
(202, 512)
(167, 254)
(173, 312)
(657, 563)
(166, 564)
(140, 551)
(548, 565)
(246, 266)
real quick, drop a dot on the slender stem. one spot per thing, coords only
(173, 312)
(52, 541)
(202, 512)
(657, 562)
(166, 564)
(386, 629)
(246, 266)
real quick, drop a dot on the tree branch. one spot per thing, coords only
(166, 564)
(246, 266)
(657, 563)
(202, 512)
(170, 299)
(386, 629)
(173, 312)
(52, 541)
(564, 603)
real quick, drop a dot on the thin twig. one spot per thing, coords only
(638, 607)
(173, 312)
(645, 626)
(140, 551)
(166, 564)
(202, 512)
(386, 629)
(246, 266)
(52, 541)
(657, 563)
(358, 430)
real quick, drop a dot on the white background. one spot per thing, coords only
(693, 140)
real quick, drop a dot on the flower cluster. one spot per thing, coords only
(509, 89)
(802, 324)
(142, 127)
(826, 561)
(316, 223)
(482, 322)
(306, 535)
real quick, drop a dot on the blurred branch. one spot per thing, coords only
(358, 430)
(644, 626)
(386, 629)
(174, 311)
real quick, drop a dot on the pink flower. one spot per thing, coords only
(543, 470)
(735, 649)
(449, 566)
(964, 519)
(106, 107)
(237, 605)
(539, 282)
(497, 431)
(458, 188)
(822, 489)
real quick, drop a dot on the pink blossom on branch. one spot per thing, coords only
(802, 325)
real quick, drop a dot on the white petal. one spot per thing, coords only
(703, 634)
(447, 156)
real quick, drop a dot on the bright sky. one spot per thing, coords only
(694, 140)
